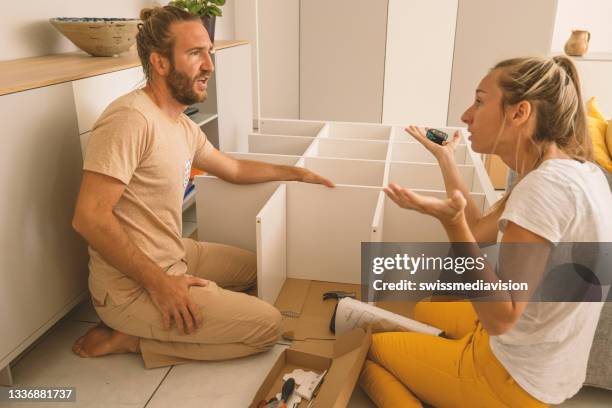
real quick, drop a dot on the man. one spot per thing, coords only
(164, 297)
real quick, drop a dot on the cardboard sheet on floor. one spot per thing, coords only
(343, 361)
(303, 299)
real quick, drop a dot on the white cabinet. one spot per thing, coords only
(307, 231)
(419, 60)
(347, 60)
(43, 261)
(234, 96)
(489, 31)
(342, 59)
(278, 25)
(92, 95)
(596, 73)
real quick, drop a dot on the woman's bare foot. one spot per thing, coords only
(102, 340)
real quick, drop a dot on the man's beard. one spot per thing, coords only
(182, 86)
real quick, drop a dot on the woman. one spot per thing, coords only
(528, 111)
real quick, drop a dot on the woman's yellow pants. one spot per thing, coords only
(404, 369)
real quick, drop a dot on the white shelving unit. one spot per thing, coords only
(307, 231)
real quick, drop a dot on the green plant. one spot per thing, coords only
(200, 7)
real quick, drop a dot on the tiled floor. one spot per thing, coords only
(121, 381)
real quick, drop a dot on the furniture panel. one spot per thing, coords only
(325, 228)
(410, 226)
(234, 97)
(425, 175)
(418, 61)
(358, 131)
(416, 152)
(353, 149)
(287, 145)
(348, 171)
(226, 212)
(43, 261)
(342, 58)
(267, 158)
(290, 127)
(279, 57)
(378, 221)
(474, 55)
(272, 246)
(93, 95)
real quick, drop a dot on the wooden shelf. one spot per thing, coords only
(29, 73)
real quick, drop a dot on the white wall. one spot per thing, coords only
(489, 31)
(594, 16)
(26, 32)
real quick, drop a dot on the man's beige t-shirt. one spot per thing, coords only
(152, 154)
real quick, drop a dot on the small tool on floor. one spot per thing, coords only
(338, 295)
(286, 392)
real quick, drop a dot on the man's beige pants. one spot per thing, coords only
(234, 324)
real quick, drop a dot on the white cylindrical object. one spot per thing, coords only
(352, 313)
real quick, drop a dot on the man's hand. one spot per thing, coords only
(308, 176)
(171, 296)
(250, 172)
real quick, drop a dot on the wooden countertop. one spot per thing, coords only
(29, 73)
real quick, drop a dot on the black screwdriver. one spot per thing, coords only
(286, 392)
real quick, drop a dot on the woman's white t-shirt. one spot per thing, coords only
(547, 350)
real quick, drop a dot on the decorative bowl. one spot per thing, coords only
(100, 37)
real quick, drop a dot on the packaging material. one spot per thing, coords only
(306, 315)
(352, 313)
(307, 382)
(343, 362)
(306, 318)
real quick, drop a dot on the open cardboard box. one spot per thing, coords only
(306, 318)
(303, 299)
(343, 361)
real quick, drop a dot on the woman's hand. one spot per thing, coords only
(449, 211)
(439, 151)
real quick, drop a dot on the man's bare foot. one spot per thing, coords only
(102, 340)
